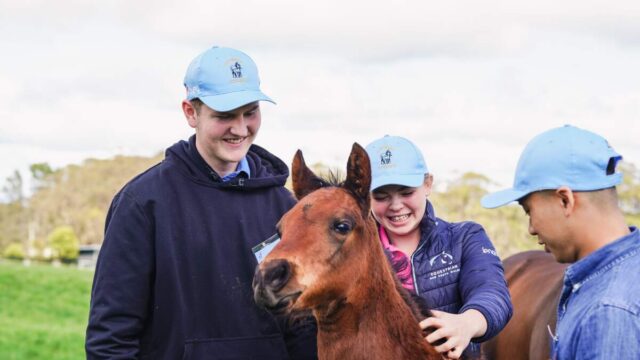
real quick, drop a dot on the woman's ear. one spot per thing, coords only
(428, 183)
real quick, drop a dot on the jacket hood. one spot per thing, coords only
(267, 170)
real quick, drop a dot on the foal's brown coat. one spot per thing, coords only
(330, 261)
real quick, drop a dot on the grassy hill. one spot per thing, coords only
(43, 311)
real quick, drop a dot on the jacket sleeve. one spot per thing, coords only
(482, 283)
(122, 283)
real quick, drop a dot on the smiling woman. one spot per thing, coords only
(452, 266)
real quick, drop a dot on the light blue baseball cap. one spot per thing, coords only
(224, 79)
(395, 161)
(564, 156)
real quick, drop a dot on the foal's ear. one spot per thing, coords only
(359, 176)
(303, 179)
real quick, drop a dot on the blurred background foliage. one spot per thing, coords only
(66, 203)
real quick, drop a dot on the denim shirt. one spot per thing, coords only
(599, 309)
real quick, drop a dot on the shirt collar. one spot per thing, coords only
(602, 259)
(243, 168)
(384, 238)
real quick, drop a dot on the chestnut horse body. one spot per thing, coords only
(329, 260)
(535, 282)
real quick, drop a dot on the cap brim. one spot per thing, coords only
(412, 180)
(501, 198)
(234, 100)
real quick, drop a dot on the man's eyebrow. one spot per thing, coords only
(253, 107)
(231, 113)
(221, 113)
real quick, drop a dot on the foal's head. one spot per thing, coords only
(325, 240)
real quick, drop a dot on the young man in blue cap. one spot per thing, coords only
(565, 181)
(173, 280)
(452, 266)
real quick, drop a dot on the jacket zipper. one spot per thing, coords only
(413, 269)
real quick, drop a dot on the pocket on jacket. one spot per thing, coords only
(270, 347)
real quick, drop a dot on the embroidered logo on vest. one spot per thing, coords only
(443, 258)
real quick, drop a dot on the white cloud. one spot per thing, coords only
(357, 29)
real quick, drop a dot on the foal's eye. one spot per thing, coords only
(342, 227)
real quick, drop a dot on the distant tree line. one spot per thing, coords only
(67, 206)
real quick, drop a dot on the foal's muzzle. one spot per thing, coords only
(268, 283)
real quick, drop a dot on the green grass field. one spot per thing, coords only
(43, 311)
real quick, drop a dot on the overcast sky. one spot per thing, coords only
(470, 82)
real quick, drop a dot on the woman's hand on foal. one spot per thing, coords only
(457, 329)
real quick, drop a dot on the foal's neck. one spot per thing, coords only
(372, 318)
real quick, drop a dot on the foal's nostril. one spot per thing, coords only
(277, 274)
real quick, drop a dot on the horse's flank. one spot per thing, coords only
(535, 282)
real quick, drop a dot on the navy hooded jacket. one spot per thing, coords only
(456, 268)
(173, 279)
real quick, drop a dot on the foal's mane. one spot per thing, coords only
(331, 179)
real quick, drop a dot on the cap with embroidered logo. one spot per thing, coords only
(395, 161)
(224, 79)
(564, 156)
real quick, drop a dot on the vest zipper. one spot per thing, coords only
(413, 269)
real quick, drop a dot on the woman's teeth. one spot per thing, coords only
(399, 218)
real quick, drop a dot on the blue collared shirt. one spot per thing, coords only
(599, 310)
(243, 166)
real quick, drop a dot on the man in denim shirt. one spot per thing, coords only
(565, 181)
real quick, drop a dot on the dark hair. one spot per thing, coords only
(604, 198)
(197, 104)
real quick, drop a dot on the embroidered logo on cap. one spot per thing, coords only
(385, 157)
(236, 70)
